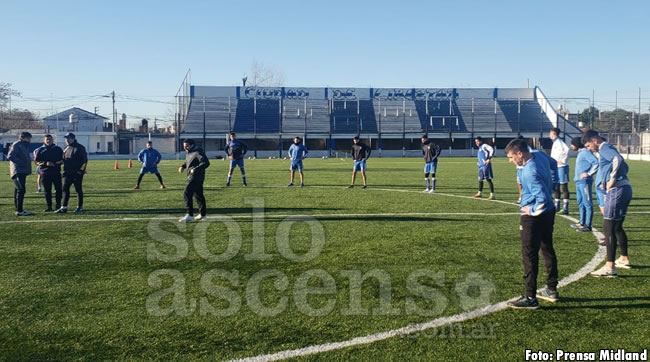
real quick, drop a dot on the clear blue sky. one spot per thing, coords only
(72, 50)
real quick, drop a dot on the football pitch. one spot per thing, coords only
(317, 273)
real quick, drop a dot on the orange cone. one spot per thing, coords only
(130, 163)
(117, 165)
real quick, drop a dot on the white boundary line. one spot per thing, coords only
(266, 216)
(435, 323)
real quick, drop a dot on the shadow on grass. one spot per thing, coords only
(603, 306)
(211, 211)
(617, 299)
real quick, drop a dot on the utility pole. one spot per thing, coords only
(639, 123)
(114, 114)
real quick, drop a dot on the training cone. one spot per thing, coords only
(130, 163)
(117, 165)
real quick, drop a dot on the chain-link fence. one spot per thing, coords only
(631, 143)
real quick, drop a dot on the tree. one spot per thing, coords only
(263, 75)
(6, 92)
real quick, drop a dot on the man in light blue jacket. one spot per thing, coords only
(536, 224)
(149, 158)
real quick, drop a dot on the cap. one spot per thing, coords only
(69, 135)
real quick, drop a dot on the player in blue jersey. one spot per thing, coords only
(430, 152)
(149, 157)
(485, 153)
(536, 224)
(611, 176)
(236, 149)
(297, 152)
(585, 169)
(560, 153)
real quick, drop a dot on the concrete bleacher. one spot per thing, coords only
(398, 116)
(461, 110)
(312, 114)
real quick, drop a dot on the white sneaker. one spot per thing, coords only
(432, 191)
(186, 218)
(426, 190)
(201, 218)
(619, 263)
(604, 272)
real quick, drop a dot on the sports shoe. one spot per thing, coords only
(39, 190)
(604, 272)
(186, 218)
(619, 263)
(565, 212)
(491, 197)
(351, 186)
(289, 185)
(519, 201)
(432, 191)
(245, 184)
(49, 209)
(162, 186)
(136, 187)
(364, 186)
(78, 210)
(524, 303)
(477, 195)
(577, 225)
(227, 184)
(201, 218)
(61, 210)
(548, 295)
(426, 190)
(24, 213)
(584, 229)
(302, 185)
(602, 243)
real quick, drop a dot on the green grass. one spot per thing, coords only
(78, 288)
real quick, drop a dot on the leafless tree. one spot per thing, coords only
(264, 75)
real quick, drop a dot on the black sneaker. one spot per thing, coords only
(351, 186)
(548, 295)
(289, 185)
(584, 229)
(78, 210)
(302, 185)
(227, 184)
(49, 209)
(524, 303)
(565, 212)
(364, 187)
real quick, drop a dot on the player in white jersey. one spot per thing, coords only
(560, 153)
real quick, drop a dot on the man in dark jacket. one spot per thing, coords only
(49, 158)
(360, 153)
(236, 149)
(195, 163)
(430, 152)
(20, 166)
(75, 160)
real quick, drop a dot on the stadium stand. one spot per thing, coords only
(404, 113)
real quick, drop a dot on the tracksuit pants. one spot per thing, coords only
(76, 180)
(194, 188)
(536, 233)
(19, 191)
(49, 180)
(584, 201)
